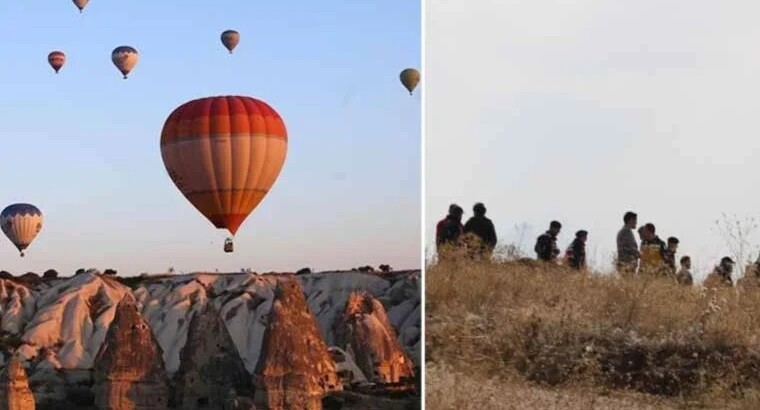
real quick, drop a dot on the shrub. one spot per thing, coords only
(303, 271)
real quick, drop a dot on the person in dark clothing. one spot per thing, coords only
(721, 275)
(576, 252)
(546, 244)
(483, 230)
(449, 229)
(669, 255)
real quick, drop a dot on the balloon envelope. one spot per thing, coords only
(56, 59)
(124, 58)
(410, 78)
(230, 39)
(21, 223)
(81, 4)
(224, 154)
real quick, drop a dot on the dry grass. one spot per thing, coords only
(495, 327)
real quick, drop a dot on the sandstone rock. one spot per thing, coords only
(211, 371)
(294, 370)
(14, 387)
(366, 334)
(129, 369)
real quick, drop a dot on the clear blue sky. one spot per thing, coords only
(84, 145)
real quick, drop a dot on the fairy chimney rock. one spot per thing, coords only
(129, 368)
(14, 387)
(364, 331)
(211, 369)
(295, 369)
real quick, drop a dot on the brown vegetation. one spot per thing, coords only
(511, 323)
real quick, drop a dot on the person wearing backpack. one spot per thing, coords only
(546, 244)
(449, 230)
(575, 255)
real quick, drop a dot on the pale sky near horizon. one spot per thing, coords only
(582, 110)
(83, 145)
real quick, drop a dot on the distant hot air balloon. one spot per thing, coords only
(80, 4)
(230, 39)
(56, 59)
(21, 223)
(124, 58)
(410, 78)
(224, 154)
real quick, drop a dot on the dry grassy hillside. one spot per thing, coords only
(523, 335)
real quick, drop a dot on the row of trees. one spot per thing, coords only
(52, 273)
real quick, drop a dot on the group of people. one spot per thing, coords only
(652, 256)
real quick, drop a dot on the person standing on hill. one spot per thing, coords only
(627, 249)
(721, 275)
(449, 229)
(684, 275)
(652, 251)
(546, 244)
(482, 228)
(576, 252)
(669, 255)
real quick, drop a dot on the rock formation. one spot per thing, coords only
(365, 333)
(129, 369)
(211, 370)
(14, 387)
(294, 370)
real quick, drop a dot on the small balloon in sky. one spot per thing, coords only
(81, 4)
(125, 59)
(230, 39)
(56, 59)
(21, 223)
(410, 77)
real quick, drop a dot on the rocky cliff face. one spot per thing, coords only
(14, 387)
(129, 369)
(365, 332)
(295, 370)
(58, 326)
(211, 370)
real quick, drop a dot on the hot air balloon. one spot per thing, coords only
(224, 154)
(80, 4)
(21, 223)
(56, 59)
(124, 58)
(230, 39)
(410, 78)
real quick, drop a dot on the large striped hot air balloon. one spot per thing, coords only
(230, 39)
(56, 59)
(224, 154)
(21, 223)
(125, 59)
